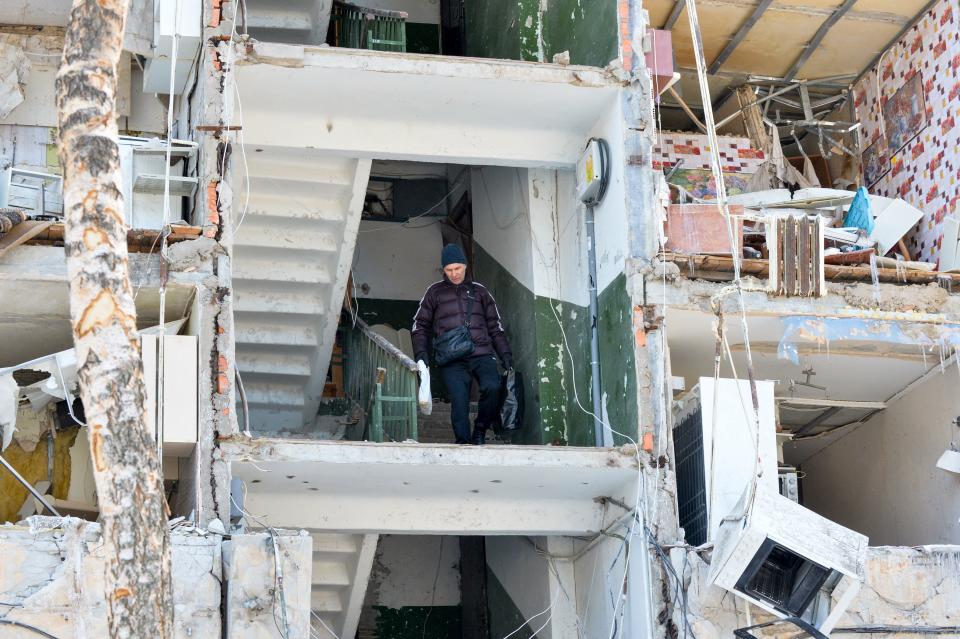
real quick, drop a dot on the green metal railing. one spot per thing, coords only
(359, 27)
(383, 381)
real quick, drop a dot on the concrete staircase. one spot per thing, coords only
(341, 571)
(291, 262)
(289, 21)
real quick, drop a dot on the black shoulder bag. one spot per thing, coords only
(456, 343)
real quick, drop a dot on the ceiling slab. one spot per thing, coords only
(780, 36)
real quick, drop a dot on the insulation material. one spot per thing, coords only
(33, 464)
(825, 331)
(14, 68)
(923, 171)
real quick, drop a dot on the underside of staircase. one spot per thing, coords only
(341, 571)
(291, 263)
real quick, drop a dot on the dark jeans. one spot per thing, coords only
(458, 377)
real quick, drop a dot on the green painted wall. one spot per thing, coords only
(519, 30)
(503, 614)
(588, 30)
(617, 357)
(551, 415)
(418, 622)
(423, 37)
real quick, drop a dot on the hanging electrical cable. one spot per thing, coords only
(723, 206)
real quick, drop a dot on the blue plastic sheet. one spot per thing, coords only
(859, 214)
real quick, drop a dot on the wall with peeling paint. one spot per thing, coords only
(536, 30)
(881, 478)
(401, 592)
(530, 251)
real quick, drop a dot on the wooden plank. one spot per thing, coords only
(694, 265)
(21, 234)
(803, 266)
(790, 257)
(739, 36)
(830, 403)
(818, 38)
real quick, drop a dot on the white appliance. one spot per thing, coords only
(788, 560)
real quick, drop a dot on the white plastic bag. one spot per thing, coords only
(424, 397)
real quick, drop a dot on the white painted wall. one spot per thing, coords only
(881, 478)
(405, 567)
(524, 575)
(559, 237)
(425, 11)
(397, 262)
(501, 218)
(599, 572)
(611, 216)
(529, 221)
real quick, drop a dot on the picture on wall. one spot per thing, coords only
(699, 183)
(905, 114)
(874, 161)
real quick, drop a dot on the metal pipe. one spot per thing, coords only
(599, 432)
(33, 491)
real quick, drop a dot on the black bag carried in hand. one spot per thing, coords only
(511, 401)
(456, 343)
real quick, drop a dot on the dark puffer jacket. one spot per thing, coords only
(443, 308)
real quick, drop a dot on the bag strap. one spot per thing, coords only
(471, 294)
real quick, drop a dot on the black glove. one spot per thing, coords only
(422, 357)
(507, 361)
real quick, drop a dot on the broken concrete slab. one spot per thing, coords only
(52, 578)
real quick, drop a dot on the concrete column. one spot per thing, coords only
(211, 115)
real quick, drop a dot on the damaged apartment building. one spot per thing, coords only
(723, 238)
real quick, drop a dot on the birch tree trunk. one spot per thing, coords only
(127, 472)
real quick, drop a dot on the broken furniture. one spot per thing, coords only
(788, 560)
(702, 228)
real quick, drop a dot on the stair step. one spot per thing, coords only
(268, 264)
(298, 163)
(334, 543)
(306, 188)
(267, 420)
(330, 573)
(267, 328)
(286, 233)
(328, 601)
(274, 394)
(319, 632)
(264, 296)
(272, 360)
(328, 209)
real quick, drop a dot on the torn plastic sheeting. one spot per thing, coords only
(826, 330)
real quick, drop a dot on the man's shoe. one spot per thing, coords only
(479, 438)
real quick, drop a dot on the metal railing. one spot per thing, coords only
(359, 27)
(383, 381)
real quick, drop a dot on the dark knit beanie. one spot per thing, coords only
(452, 254)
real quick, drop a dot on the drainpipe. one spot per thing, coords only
(600, 435)
(599, 432)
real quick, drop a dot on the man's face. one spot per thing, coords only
(455, 272)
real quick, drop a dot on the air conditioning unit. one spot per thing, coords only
(788, 560)
(178, 413)
(716, 452)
